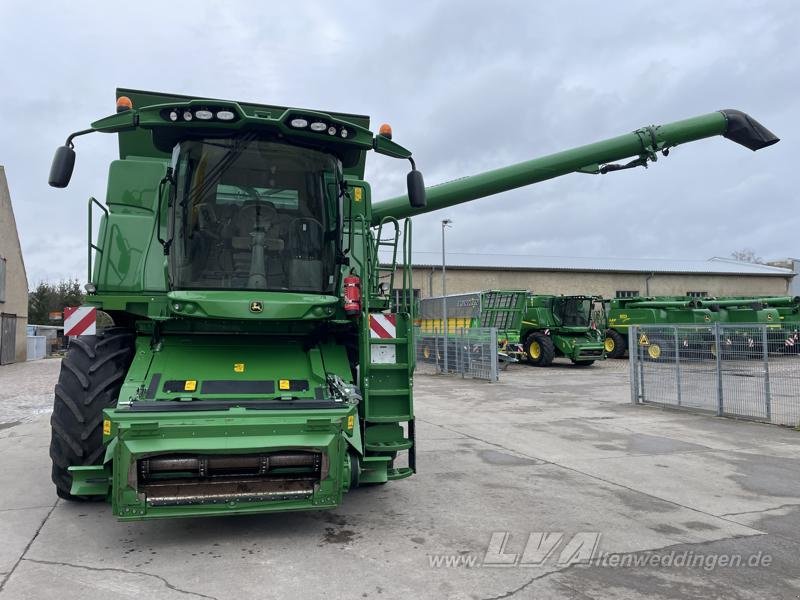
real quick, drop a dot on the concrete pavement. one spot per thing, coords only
(558, 451)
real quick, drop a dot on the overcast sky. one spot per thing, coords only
(467, 86)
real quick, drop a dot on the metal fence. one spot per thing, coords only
(469, 352)
(738, 370)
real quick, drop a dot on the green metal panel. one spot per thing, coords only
(139, 142)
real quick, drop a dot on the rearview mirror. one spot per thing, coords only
(61, 169)
(416, 189)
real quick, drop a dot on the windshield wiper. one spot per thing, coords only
(215, 173)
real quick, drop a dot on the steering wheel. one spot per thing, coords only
(259, 215)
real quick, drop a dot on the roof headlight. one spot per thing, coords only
(187, 115)
(204, 115)
(331, 130)
(344, 133)
(318, 126)
(173, 115)
(225, 115)
(298, 123)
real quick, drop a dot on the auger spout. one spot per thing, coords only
(641, 145)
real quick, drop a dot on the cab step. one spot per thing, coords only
(399, 473)
(389, 446)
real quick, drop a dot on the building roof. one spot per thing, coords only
(518, 262)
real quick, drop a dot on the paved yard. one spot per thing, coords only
(556, 451)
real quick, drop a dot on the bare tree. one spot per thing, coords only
(747, 255)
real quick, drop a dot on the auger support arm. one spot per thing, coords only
(641, 145)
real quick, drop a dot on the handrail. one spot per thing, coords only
(93, 200)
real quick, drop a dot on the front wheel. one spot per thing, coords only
(91, 375)
(614, 344)
(540, 349)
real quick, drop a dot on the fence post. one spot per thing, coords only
(461, 356)
(718, 348)
(765, 349)
(633, 359)
(494, 376)
(677, 366)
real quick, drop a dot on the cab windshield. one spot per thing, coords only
(574, 311)
(254, 215)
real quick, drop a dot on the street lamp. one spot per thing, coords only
(445, 224)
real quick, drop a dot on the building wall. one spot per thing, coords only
(595, 283)
(16, 282)
(792, 264)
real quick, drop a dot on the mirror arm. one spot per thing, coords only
(76, 134)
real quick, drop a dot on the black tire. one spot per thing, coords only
(546, 350)
(618, 341)
(91, 375)
(582, 363)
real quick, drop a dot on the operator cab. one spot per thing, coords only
(252, 214)
(573, 311)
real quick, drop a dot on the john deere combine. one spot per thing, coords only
(561, 326)
(256, 362)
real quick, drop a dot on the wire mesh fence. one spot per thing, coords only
(741, 370)
(467, 351)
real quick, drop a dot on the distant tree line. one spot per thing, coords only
(49, 297)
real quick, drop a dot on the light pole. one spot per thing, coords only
(445, 224)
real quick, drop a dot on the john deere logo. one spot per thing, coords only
(256, 306)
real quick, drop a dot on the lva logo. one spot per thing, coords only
(541, 546)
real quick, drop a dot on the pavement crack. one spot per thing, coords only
(118, 570)
(2, 510)
(510, 593)
(8, 575)
(756, 512)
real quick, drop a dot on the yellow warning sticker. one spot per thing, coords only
(283, 384)
(351, 422)
(106, 427)
(238, 367)
(358, 194)
(643, 341)
(190, 385)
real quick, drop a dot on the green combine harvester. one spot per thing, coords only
(779, 314)
(561, 326)
(257, 361)
(532, 327)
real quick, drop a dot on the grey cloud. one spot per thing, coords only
(467, 87)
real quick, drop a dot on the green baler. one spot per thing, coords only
(561, 326)
(256, 362)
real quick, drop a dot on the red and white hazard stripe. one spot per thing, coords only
(383, 326)
(80, 320)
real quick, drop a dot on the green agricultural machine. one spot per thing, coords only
(779, 314)
(257, 362)
(622, 313)
(501, 309)
(788, 308)
(561, 326)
